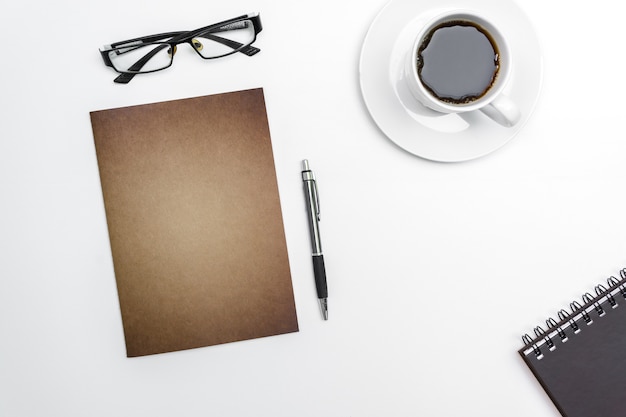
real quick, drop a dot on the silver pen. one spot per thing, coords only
(313, 208)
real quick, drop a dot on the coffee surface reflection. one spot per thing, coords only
(458, 62)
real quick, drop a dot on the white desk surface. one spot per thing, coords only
(435, 270)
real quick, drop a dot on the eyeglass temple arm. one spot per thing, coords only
(181, 36)
(215, 27)
(148, 39)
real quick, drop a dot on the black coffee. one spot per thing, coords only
(458, 62)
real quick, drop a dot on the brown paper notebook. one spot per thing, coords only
(195, 222)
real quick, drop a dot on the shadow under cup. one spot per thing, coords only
(460, 62)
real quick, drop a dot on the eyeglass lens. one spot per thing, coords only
(142, 57)
(225, 40)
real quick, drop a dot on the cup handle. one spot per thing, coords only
(503, 111)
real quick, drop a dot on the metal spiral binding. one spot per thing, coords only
(529, 340)
(552, 324)
(564, 315)
(576, 307)
(601, 290)
(604, 294)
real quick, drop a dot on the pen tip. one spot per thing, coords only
(305, 164)
(324, 307)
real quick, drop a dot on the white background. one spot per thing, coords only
(435, 270)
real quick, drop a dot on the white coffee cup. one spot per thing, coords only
(442, 40)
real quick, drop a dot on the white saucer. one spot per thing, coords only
(424, 132)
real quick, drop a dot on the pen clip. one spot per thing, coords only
(316, 200)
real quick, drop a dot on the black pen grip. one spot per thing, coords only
(320, 276)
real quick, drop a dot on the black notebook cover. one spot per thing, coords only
(580, 357)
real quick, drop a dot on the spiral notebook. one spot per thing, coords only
(579, 357)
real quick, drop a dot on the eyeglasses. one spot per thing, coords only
(156, 52)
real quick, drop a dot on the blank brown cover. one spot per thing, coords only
(195, 222)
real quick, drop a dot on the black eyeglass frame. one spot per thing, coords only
(175, 38)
